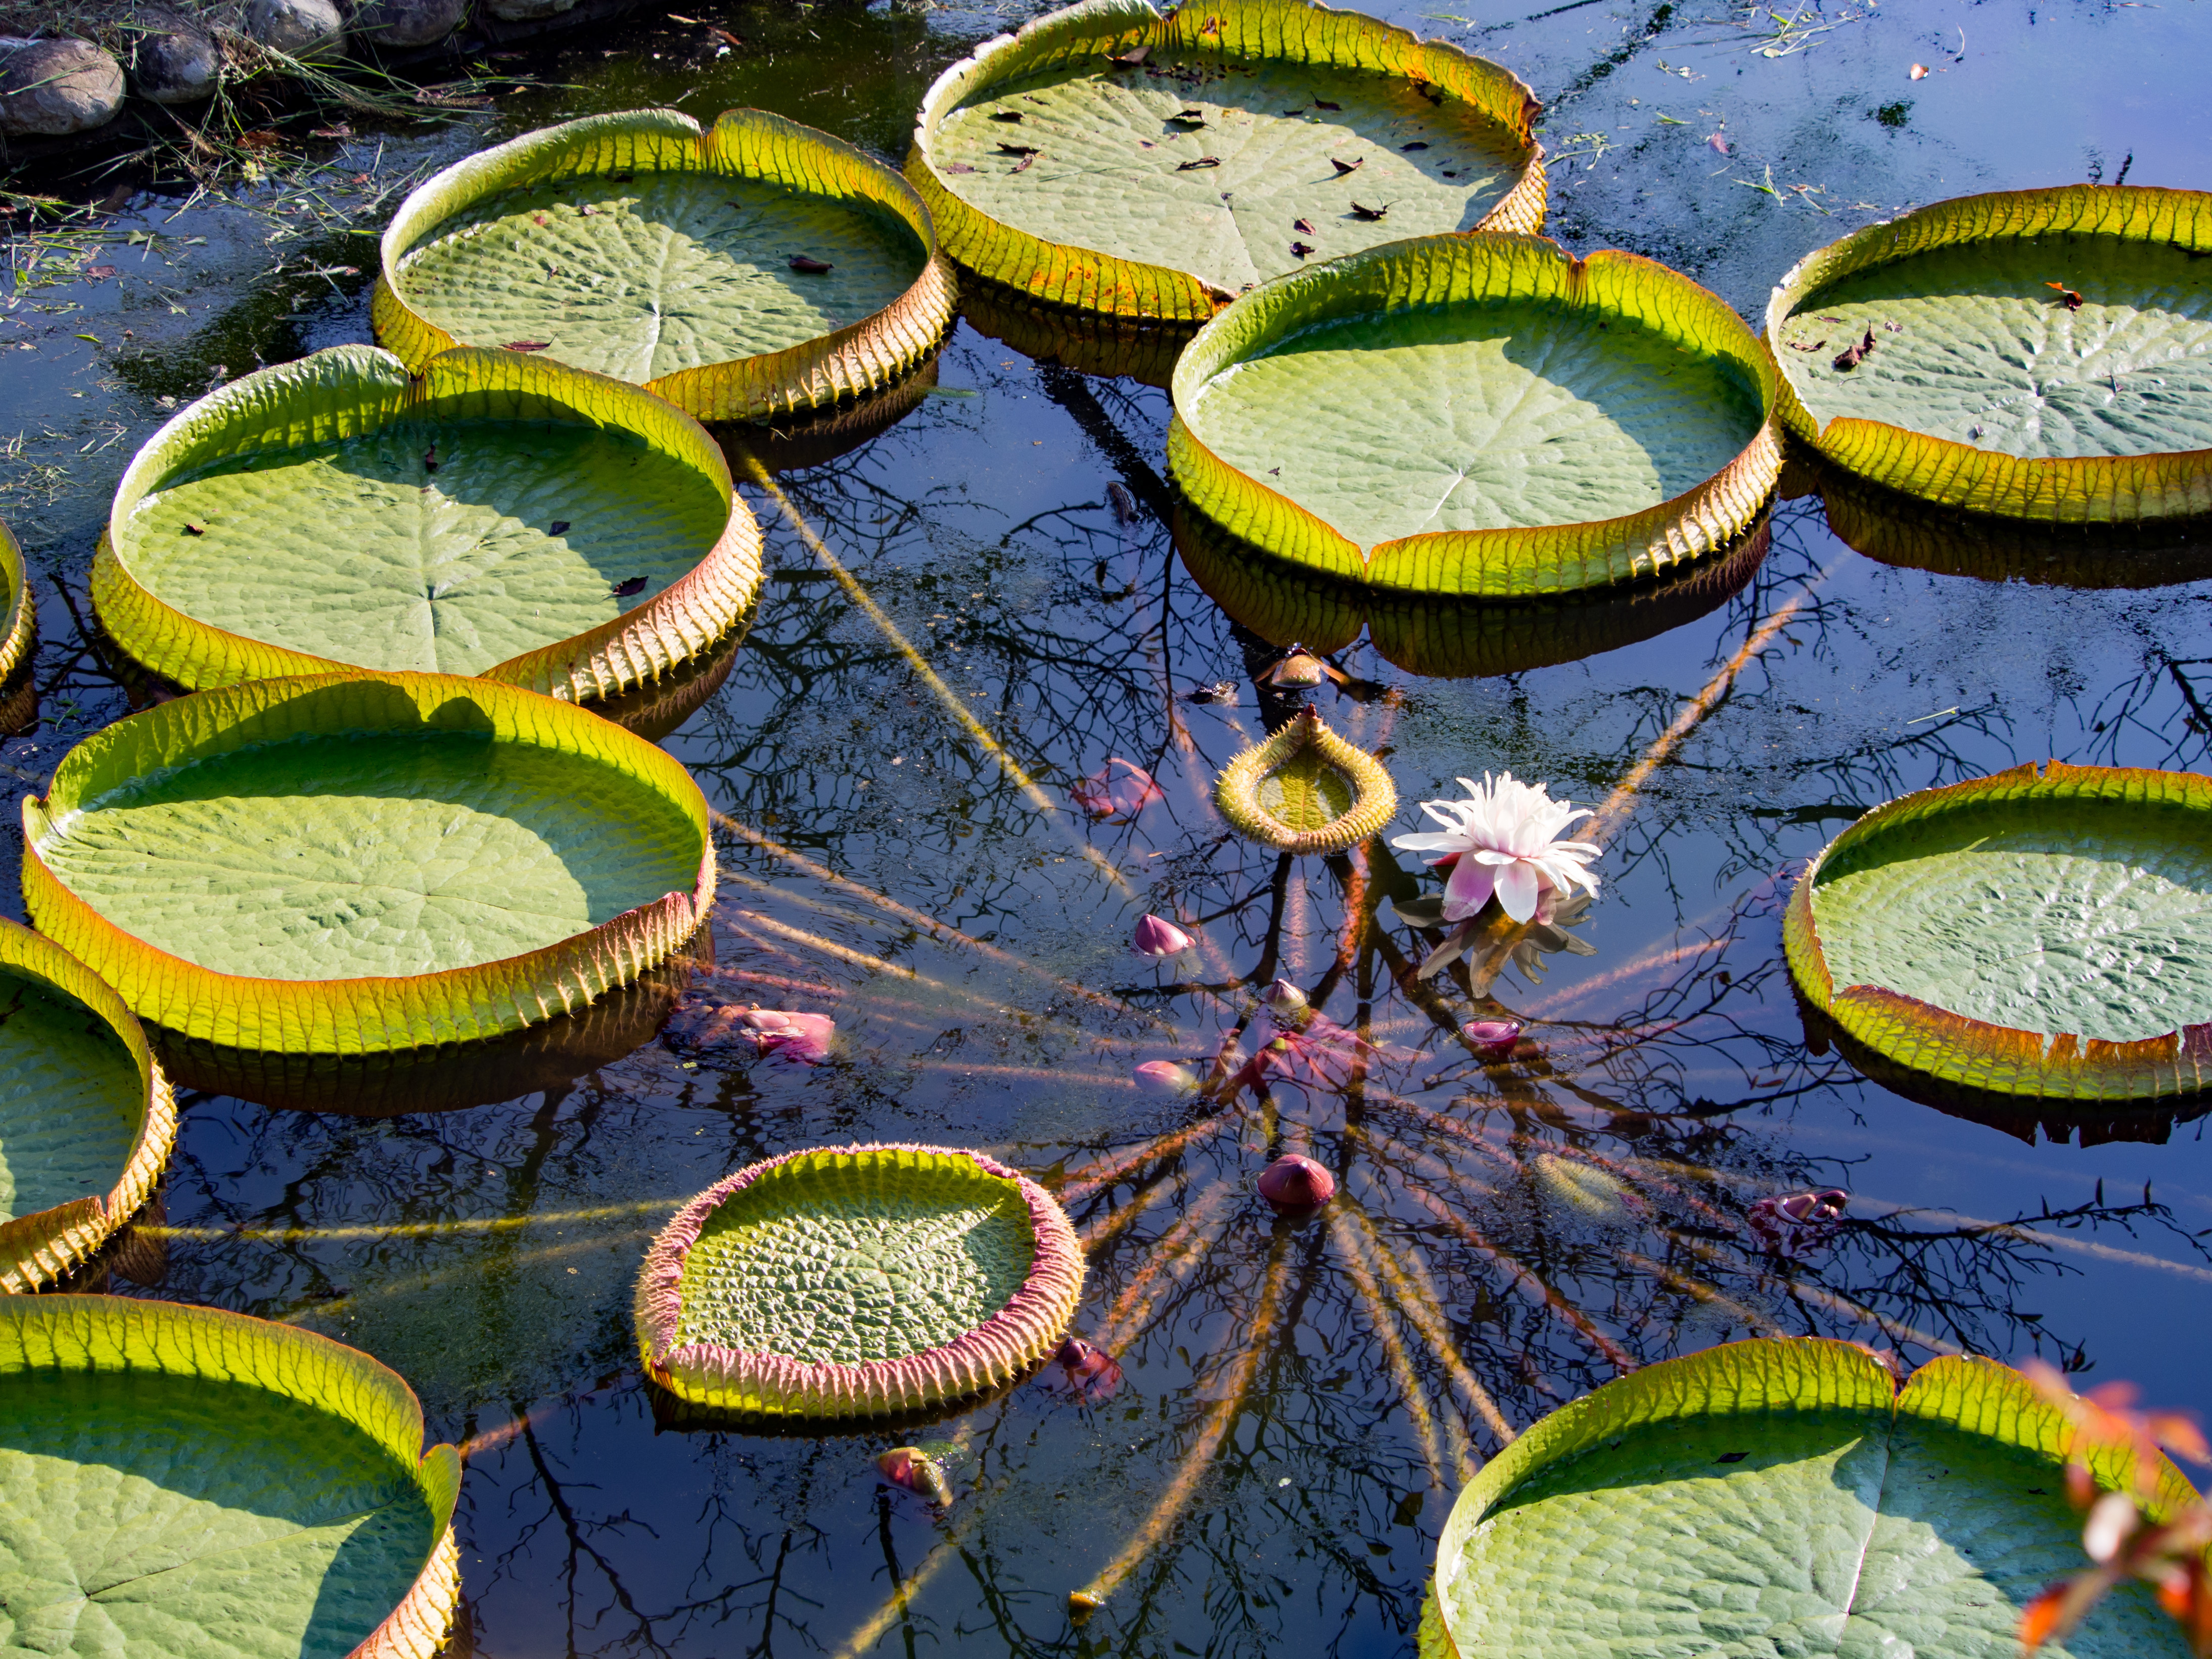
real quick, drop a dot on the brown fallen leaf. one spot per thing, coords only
(262, 140)
(193, 528)
(724, 34)
(1800, 345)
(1343, 167)
(1369, 213)
(1017, 150)
(634, 585)
(99, 273)
(1323, 103)
(1202, 162)
(558, 528)
(430, 458)
(1302, 225)
(1131, 58)
(808, 266)
(537, 218)
(1857, 354)
(956, 167)
(340, 131)
(1718, 141)
(1023, 165)
(2070, 298)
(1300, 249)
(528, 345)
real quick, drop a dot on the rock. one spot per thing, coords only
(173, 60)
(50, 88)
(298, 28)
(526, 11)
(406, 22)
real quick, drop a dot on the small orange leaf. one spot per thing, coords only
(2039, 1619)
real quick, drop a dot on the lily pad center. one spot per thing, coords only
(70, 1099)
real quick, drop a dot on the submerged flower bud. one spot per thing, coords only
(802, 1037)
(1164, 1077)
(1296, 672)
(1156, 936)
(1493, 1039)
(1092, 1370)
(1285, 999)
(917, 1471)
(1296, 1182)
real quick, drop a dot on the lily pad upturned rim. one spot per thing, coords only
(369, 1014)
(846, 363)
(1450, 638)
(128, 1334)
(1375, 797)
(1015, 1338)
(22, 611)
(1087, 280)
(2073, 490)
(1759, 1379)
(344, 391)
(1520, 562)
(42, 1246)
(1959, 1049)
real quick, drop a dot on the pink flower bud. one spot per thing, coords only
(1293, 1182)
(1093, 1371)
(917, 1471)
(1285, 998)
(1493, 1039)
(802, 1037)
(1164, 1077)
(1156, 936)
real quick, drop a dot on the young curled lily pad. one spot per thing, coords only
(497, 514)
(85, 1116)
(19, 618)
(751, 270)
(2043, 354)
(2045, 932)
(1112, 158)
(178, 1481)
(857, 1281)
(1306, 790)
(351, 863)
(1481, 415)
(1783, 1497)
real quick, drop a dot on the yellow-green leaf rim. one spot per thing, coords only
(1975, 1054)
(2060, 491)
(848, 362)
(743, 1305)
(1247, 31)
(233, 1358)
(1644, 1604)
(369, 1014)
(352, 391)
(21, 625)
(1433, 272)
(1306, 790)
(41, 1247)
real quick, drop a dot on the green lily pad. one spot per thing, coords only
(2042, 355)
(495, 516)
(18, 611)
(1782, 1496)
(1478, 415)
(754, 269)
(85, 1116)
(2041, 932)
(353, 863)
(1305, 790)
(176, 1481)
(1114, 159)
(856, 1281)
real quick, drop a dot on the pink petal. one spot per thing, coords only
(1468, 890)
(1493, 1038)
(1517, 888)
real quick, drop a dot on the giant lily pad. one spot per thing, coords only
(2035, 354)
(177, 1482)
(2043, 931)
(1782, 1496)
(745, 272)
(1115, 159)
(495, 515)
(86, 1118)
(1480, 416)
(349, 863)
(857, 1280)
(1448, 638)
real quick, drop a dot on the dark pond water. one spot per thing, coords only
(1299, 1401)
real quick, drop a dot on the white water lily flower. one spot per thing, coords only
(1503, 838)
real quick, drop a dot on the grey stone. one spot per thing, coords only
(526, 11)
(298, 28)
(50, 88)
(407, 22)
(173, 60)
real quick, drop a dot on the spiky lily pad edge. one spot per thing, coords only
(2075, 489)
(346, 391)
(365, 1015)
(1020, 1334)
(846, 363)
(1547, 559)
(43, 1246)
(22, 619)
(1085, 280)
(109, 1333)
(1977, 1055)
(1762, 1375)
(1236, 790)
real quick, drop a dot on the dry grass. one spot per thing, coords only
(107, 21)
